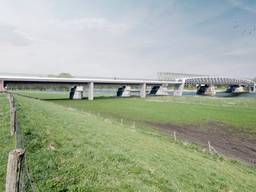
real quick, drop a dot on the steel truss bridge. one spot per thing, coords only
(204, 79)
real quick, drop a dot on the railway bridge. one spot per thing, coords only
(206, 83)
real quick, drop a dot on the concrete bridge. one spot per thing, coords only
(84, 87)
(206, 83)
(79, 85)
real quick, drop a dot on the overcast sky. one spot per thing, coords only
(128, 38)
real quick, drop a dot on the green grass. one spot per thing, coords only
(239, 113)
(72, 150)
(7, 143)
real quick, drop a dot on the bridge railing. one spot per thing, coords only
(82, 77)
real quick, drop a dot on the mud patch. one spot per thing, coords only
(222, 137)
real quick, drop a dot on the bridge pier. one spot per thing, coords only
(143, 88)
(154, 89)
(179, 88)
(231, 88)
(238, 89)
(2, 88)
(79, 92)
(252, 89)
(208, 90)
(76, 92)
(124, 91)
(159, 90)
(72, 92)
(91, 91)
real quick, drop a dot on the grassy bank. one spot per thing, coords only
(72, 150)
(6, 141)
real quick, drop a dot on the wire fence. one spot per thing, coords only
(18, 178)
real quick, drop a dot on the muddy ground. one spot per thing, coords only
(222, 137)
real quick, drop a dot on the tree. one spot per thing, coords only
(53, 75)
(62, 75)
(65, 75)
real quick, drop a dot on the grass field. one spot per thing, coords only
(70, 149)
(239, 113)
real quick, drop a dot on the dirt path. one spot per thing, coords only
(222, 138)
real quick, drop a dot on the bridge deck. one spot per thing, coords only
(46, 80)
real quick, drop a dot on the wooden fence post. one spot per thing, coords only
(13, 121)
(14, 170)
(11, 100)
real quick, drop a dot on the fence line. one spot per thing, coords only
(17, 170)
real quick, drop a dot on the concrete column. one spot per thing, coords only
(143, 90)
(163, 90)
(252, 88)
(72, 92)
(178, 89)
(210, 91)
(2, 85)
(78, 92)
(91, 91)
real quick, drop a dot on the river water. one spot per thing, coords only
(112, 92)
(222, 94)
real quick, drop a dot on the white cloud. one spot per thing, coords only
(137, 43)
(11, 36)
(243, 5)
(98, 24)
(101, 23)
